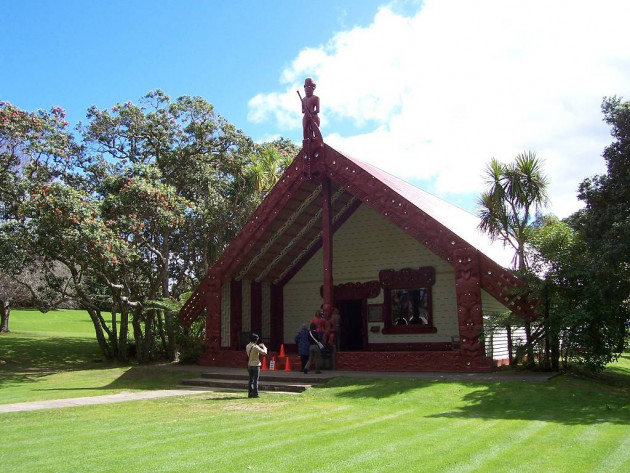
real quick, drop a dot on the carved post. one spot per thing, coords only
(213, 314)
(327, 246)
(468, 292)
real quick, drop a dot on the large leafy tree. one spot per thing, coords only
(578, 320)
(516, 191)
(605, 222)
(140, 211)
(35, 149)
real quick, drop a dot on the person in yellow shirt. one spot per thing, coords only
(254, 350)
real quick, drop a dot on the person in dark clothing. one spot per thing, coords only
(314, 352)
(301, 340)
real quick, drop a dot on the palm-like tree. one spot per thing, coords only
(515, 192)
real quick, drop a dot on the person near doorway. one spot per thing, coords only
(314, 352)
(301, 340)
(254, 350)
(318, 320)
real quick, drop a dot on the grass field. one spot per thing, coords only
(569, 424)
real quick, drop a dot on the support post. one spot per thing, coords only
(327, 246)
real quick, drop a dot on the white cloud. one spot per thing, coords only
(443, 91)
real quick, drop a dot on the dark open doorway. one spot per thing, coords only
(351, 324)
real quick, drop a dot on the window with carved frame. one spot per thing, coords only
(407, 304)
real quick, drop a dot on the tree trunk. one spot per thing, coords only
(5, 311)
(100, 336)
(170, 334)
(145, 348)
(529, 345)
(546, 359)
(508, 331)
(137, 336)
(123, 334)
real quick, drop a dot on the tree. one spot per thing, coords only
(143, 206)
(605, 221)
(515, 192)
(35, 148)
(575, 314)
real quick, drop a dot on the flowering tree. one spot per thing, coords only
(35, 148)
(136, 214)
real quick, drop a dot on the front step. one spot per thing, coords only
(280, 376)
(269, 381)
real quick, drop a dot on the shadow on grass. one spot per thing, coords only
(27, 359)
(566, 400)
(569, 401)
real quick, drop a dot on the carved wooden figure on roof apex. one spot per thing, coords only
(313, 140)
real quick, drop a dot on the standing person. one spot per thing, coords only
(254, 350)
(318, 320)
(301, 339)
(314, 352)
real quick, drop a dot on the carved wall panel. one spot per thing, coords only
(355, 290)
(468, 294)
(407, 277)
(453, 361)
(213, 312)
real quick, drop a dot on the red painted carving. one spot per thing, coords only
(468, 294)
(355, 290)
(313, 140)
(213, 313)
(407, 278)
(195, 304)
(449, 361)
(507, 288)
(327, 248)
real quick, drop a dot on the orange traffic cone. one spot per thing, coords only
(281, 351)
(264, 365)
(287, 365)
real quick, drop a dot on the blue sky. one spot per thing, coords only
(428, 91)
(76, 53)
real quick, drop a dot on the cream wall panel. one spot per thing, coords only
(490, 305)
(225, 315)
(364, 245)
(266, 310)
(246, 294)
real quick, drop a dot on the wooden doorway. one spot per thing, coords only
(351, 324)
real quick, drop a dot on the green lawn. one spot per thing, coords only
(55, 355)
(568, 424)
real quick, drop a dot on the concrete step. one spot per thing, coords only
(280, 376)
(284, 381)
(241, 385)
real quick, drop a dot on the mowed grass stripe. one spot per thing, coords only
(398, 440)
(617, 456)
(488, 451)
